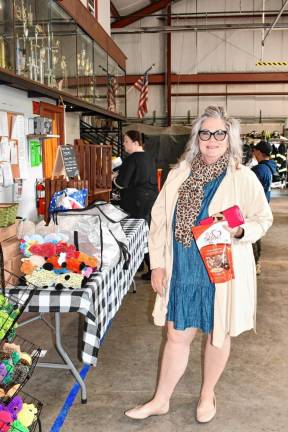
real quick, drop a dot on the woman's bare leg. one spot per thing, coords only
(173, 365)
(215, 360)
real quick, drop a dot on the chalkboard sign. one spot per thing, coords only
(65, 162)
(69, 160)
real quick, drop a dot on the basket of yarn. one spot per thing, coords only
(21, 414)
(17, 363)
(11, 308)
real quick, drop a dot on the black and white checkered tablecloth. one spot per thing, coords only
(102, 297)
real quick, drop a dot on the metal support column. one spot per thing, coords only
(168, 68)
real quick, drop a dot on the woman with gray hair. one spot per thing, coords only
(209, 179)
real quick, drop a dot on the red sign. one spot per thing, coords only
(36, 107)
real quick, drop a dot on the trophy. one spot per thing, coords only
(30, 17)
(20, 58)
(42, 54)
(20, 11)
(2, 53)
(63, 65)
(78, 62)
(52, 59)
(82, 60)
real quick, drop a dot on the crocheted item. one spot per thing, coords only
(69, 280)
(12, 390)
(28, 414)
(25, 358)
(7, 316)
(15, 406)
(18, 427)
(20, 373)
(3, 372)
(9, 348)
(41, 278)
(5, 421)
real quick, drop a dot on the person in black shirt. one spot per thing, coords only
(137, 182)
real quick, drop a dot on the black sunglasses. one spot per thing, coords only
(219, 134)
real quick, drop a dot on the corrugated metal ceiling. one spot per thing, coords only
(127, 7)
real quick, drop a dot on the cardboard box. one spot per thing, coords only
(10, 249)
(6, 233)
(10, 231)
(10, 256)
(12, 265)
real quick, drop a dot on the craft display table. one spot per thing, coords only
(98, 302)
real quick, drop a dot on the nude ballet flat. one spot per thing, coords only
(205, 416)
(141, 413)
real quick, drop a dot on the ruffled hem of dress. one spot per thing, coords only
(190, 325)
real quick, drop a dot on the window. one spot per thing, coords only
(92, 7)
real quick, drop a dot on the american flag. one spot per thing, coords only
(111, 93)
(142, 85)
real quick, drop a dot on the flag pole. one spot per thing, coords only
(146, 72)
(104, 70)
(150, 68)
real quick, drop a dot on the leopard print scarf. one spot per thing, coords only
(191, 194)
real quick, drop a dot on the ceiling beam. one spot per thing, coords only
(146, 11)
(215, 78)
(202, 94)
(114, 11)
(198, 27)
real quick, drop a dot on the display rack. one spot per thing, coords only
(14, 380)
(44, 45)
(12, 307)
(15, 373)
(40, 136)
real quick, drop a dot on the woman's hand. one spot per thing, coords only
(236, 232)
(159, 280)
(114, 175)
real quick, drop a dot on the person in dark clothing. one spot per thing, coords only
(137, 182)
(264, 170)
(278, 154)
(247, 154)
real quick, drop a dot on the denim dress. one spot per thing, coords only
(191, 299)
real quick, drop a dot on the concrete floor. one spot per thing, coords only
(251, 396)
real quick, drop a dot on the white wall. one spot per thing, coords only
(72, 127)
(104, 15)
(209, 52)
(17, 101)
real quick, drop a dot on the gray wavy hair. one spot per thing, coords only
(232, 127)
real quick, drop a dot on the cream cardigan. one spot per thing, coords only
(235, 301)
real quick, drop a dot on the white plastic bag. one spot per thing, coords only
(94, 231)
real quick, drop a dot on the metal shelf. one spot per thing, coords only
(40, 136)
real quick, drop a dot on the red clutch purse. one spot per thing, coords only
(232, 215)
